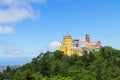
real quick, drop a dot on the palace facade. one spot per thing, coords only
(76, 46)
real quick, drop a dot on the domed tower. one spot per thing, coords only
(67, 39)
(66, 46)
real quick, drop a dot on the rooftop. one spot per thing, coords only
(67, 36)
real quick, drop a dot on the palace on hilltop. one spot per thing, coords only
(77, 46)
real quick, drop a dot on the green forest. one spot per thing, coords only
(98, 65)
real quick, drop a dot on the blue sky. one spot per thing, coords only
(28, 27)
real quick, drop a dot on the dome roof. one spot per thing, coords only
(67, 36)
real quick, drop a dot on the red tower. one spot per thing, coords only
(88, 38)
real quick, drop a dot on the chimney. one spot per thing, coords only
(88, 38)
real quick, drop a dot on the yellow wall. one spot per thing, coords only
(68, 41)
(66, 47)
(92, 45)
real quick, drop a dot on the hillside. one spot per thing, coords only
(101, 65)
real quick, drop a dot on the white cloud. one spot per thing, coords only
(14, 15)
(6, 30)
(14, 52)
(12, 11)
(6, 43)
(9, 48)
(54, 45)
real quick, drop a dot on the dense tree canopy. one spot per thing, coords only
(100, 65)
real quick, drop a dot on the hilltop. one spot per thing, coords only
(99, 65)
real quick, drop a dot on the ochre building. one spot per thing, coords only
(77, 46)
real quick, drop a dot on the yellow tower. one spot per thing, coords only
(66, 46)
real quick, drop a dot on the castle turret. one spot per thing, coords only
(67, 39)
(66, 47)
